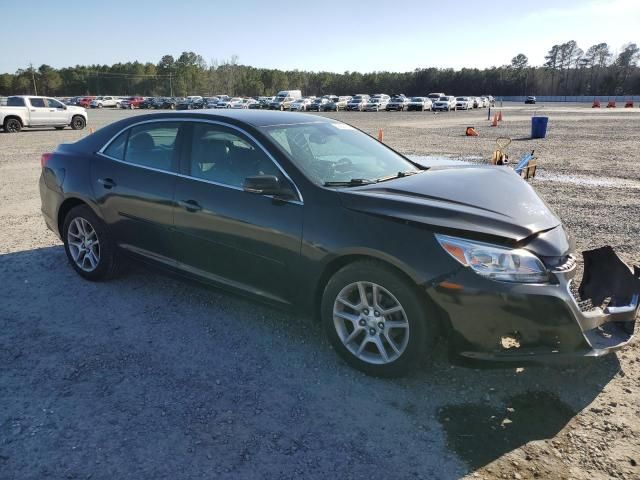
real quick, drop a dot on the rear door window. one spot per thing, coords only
(37, 102)
(151, 145)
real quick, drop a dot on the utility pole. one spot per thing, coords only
(170, 86)
(33, 78)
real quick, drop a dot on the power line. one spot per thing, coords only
(124, 75)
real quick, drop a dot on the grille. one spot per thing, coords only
(564, 264)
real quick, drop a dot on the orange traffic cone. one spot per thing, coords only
(495, 121)
(500, 116)
(629, 104)
(596, 104)
(471, 132)
(380, 135)
(611, 104)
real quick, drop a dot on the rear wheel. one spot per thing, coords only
(376, 320)
(12, 125)
(89, 247)
(78, 122)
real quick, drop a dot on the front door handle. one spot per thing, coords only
(107, 183)
(190, 205)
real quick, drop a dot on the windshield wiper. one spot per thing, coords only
(349, 183)
(398, 175)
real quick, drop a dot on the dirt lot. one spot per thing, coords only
(148, 376)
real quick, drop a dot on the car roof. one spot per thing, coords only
(255, 118)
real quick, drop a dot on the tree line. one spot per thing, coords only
(568, 70)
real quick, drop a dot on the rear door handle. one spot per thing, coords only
(107, 183)
(190, 205)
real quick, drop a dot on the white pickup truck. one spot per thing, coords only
(106, 101)
(30, 111)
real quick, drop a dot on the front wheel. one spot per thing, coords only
(78, 122)
(89, 247)
(376, 320)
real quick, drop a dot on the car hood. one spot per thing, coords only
(479, 199)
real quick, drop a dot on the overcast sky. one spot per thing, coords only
(332, 35)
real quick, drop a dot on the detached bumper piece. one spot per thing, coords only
(607, 278)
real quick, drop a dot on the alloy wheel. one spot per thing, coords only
(12, 125)
(371, 322)
(84, 245)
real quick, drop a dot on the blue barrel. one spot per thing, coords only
(539, 127)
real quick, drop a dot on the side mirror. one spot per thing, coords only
(267, 185)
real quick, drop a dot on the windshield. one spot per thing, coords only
(444, 99)
(461, 99)
(417, 99)
(336, 152)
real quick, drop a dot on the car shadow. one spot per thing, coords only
(149, 348)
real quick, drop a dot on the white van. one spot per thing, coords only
(295, 94)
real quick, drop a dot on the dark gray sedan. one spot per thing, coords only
(310, 213)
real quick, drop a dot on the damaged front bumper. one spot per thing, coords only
(500, 321)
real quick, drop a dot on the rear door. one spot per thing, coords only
(234, 237)
(39, 113)
(134, 178)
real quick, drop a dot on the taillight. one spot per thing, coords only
(45, 158)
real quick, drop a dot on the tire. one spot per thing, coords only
(409, 343)
(12, 125)
(118, 105)
(78, 122)
(99, 105)
(98, 262)
(281, 108)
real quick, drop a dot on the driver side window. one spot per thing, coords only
(54, 103)
(223, 155)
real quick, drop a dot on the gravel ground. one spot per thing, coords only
(149, 376)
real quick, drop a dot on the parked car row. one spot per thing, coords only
(292, 100)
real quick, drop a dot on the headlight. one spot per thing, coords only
(495, 262)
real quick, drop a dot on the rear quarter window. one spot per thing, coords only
(15, 102)
(116, 148)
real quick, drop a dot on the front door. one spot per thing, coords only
(245, 240)
(134, 179)
(58, 112)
